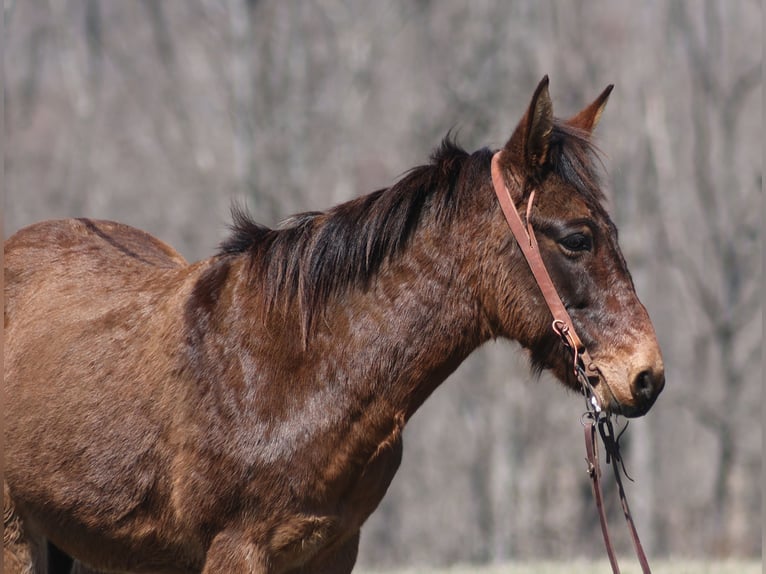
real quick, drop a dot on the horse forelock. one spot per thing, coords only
(576, 160)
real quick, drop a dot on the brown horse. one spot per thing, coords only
(245, 413)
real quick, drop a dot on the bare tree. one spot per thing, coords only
(723, 275)
(158, 114)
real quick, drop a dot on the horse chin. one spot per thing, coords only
(629, 411)
(612, 405)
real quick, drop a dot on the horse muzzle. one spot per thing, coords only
(645, 383)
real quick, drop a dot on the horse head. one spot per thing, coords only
(557, 162)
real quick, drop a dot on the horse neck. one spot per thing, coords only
(386, 341)
(403, 334)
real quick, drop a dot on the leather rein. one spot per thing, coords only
(583, 367)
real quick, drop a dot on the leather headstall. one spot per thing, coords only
(585, 370)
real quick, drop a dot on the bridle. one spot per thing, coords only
(585, 370)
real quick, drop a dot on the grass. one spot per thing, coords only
(584, 567)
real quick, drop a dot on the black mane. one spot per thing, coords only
(317, 255)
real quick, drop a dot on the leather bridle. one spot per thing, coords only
(584, 369)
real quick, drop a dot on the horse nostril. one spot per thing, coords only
(648, 384)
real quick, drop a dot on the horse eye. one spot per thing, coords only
(577, 242)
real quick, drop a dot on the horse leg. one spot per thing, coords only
(232, 553)
(22, 554)
(17, 555)
(59, 562)
(80, 568)
(339, 560)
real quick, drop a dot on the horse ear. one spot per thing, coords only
(529, 143)
(588, 118)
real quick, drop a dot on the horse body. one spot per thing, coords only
(157, 485)
(244, 413)
(118, 467)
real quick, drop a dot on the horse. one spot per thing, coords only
(244, 413)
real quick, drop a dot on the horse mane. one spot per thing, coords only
(315, 256)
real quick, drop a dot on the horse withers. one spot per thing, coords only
(244, 413)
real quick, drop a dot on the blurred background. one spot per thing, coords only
(159, 114)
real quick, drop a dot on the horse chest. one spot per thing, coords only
(350, 492)
(356, 476)
(375, 477)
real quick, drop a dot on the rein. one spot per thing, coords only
(594, 418)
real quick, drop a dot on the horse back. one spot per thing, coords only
(50, 241)
(80, 250)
